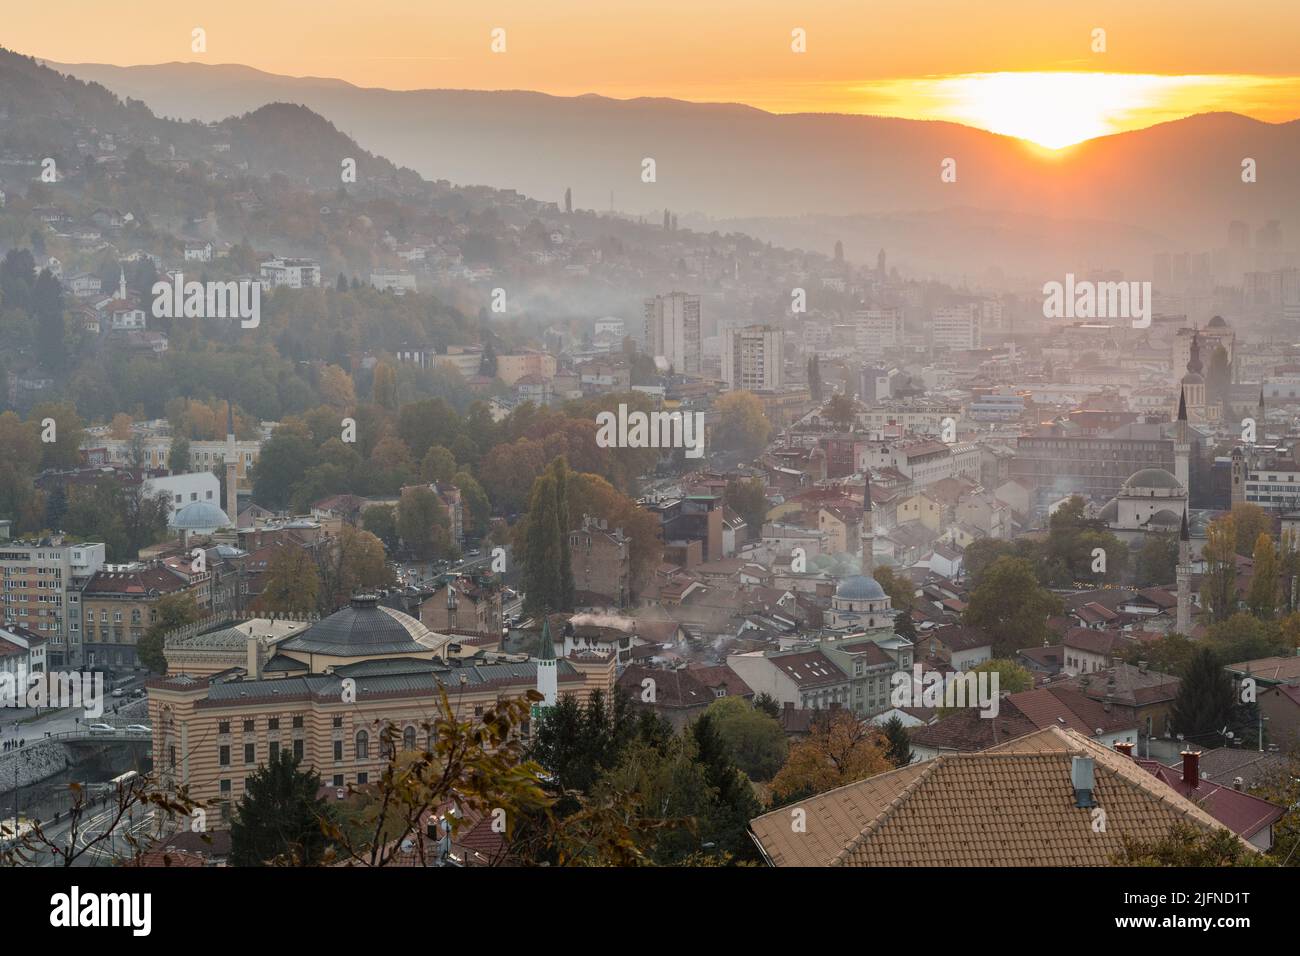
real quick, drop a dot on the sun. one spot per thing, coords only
(1056, 109)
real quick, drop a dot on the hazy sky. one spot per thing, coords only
(942, 59)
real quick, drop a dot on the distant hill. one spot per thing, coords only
(1178, 181)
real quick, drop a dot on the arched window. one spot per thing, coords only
(408, 738)
(363, 745)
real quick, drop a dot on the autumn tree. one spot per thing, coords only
(422, 523)
(1262, 596)
(292, 585)
(1219, 583)
(840, 749)
(755, 738)
(741, 426)
(1249, 521)
(841, 411)
(173, 611)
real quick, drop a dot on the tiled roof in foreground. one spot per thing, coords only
(1013, 805)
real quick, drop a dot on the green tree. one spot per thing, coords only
(899, 745)
(901, 591)
(279, 818)
(174, 610)
(742, 426)
(748, 498)
(548, 573)
(767, 704)
(423, 524)
(1010, 606)
(381, 521)
(1205, 700)
(280, 464)
(438, 465)
(178, 456)
(841, 410)
(1157, 561)
(1186, 845)
(756, 739)
(725, 821)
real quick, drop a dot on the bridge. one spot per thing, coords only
(85, 735)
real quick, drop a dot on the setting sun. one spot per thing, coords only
(1059, 109)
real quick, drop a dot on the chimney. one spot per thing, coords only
(1081, 778)
(1236, 784)
(1124, 747)
(1191, 768)
(431, 828)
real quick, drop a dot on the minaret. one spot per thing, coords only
(1259, 418)
(868, 528)
(1183, 622)
(232, 478)
(1182, 445)
(121, 283)
(451, 604)
(548, 676)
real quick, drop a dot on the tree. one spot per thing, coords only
(1157, 562)
(749, 500)
(841, 411)
(742, 426)
(1168, 654)
(900, 589)
(356, 563)
(1010, 606)
(1262, 596)
(279, 816)
(904, 627)
(1205, 700)
(47, 312)
(1012, 678)
(732, 804)
(178, 457)
(173, 610)
(899, 746)
(439, 465)
(1219, 583)
(755, 738)
(548, 573)
(840, 749)
(767, 704)
(384, 387)
(474, 502)
(281, 462)
(381, 521)
(422, 523)
(1249, 521)
(292, 584)
(1187, 845)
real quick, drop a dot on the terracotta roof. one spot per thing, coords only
(1012, 806)
(1066, 707)
(1284, 669)
(966, 731)
(1240, 812)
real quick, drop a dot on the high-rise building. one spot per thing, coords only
(42, 582)
(672, 330)
(957, 327)
(753, 358)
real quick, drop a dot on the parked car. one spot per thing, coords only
(102, 729)
(118, 692)
(139, 729)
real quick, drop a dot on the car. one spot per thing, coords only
(138, 692)
(118, 692)
(138, 729)
(474, 552)
(101, 729)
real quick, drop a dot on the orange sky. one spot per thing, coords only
(895, 57)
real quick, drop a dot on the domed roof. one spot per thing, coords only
(1218, 322)
(1110, 513)
(1165, 518)
(1149, 478)
(859, 587)
(199, 516)
(366, 628)
(1193, 378)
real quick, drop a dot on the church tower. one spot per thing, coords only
(1183, 622)
(868, 528)
(548, 675)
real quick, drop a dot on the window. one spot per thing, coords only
(338, 750)
(273, 723)
(338, 780)
(297, 722)
(249, 726)
(223, 727)
(274, 750)
(298, 749)
(338, 721)
(408, 738)
(363, 779)
(363, 745)
(223, 755)
(250, 753)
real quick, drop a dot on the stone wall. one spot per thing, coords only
(35, 762)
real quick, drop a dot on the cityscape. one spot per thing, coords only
(415, 452)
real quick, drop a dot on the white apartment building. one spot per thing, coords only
(753, 358)
(672, 330)
(182, 490)
(290, 273)
(398, 283)
(879, 329)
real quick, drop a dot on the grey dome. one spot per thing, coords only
(199, 516)
(1165, 518)
(1149, 478)
(859, 587)
(366, 628)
